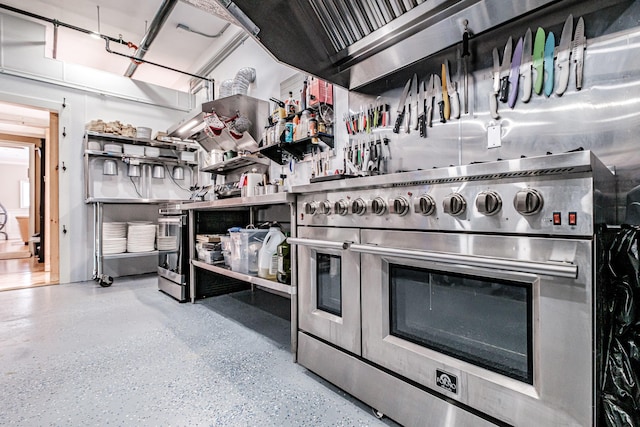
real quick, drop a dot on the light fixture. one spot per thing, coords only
(109, 167)
(134, 170)
(178, 172)
(158, 172)
(188, 126)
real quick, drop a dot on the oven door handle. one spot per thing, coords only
(170, 220)
(557, 269)
(327, 244)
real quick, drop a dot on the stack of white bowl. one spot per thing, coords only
(114, 237)
(141, 236)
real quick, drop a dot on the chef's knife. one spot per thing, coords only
(514, 76)
(401, 107)
(431, 93)
(549, 47)
(525, 68)
(579, 45)
(465, 55)
(538, 60)
(454, 99)
(415, 93)
(445, 93)
(505, 68)
(437, 84)
(564, 50)
(422, 117)
(493, 97)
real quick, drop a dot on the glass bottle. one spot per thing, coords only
(283, 252)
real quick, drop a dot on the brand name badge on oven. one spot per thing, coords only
(447, 381)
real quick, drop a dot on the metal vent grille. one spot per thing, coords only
(517, 174)
(346, 22)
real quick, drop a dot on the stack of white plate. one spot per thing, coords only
(167, 243)
(114, 246)
(141, 237)
(114, 230)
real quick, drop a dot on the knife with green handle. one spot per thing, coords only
(538, 60)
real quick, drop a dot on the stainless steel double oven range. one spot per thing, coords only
(457, 296)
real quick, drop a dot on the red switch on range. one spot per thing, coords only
(557, 218)
(573, 218)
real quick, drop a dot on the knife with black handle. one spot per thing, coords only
(401, 107)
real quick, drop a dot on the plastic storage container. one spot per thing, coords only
(267, 259)
(245, 247)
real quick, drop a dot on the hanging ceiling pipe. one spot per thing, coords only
(106, 38)
(153, 30)
(133, 58)
(211, 36)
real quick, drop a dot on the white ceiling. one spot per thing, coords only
(173, 47)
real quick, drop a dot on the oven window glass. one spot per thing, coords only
(329, 283)
(483, 321)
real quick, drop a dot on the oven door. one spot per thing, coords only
(172, 269)
(499, 324)
(329, 286)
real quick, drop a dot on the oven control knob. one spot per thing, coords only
(528, 201)
(358, 207)
(399, 206)
(378, 206)
(424, 205)
(488, 203)
(454, 204)
(340, 207)
(310, 208)
(325, 207)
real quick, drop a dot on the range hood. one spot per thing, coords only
(193, 125)
(354, 42)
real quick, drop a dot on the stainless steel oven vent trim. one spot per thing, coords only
(554, 269)
(489, 176)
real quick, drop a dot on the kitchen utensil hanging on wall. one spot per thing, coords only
(109, 167)
(158, 172)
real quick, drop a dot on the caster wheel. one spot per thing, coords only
(105, 283)
(379, 415)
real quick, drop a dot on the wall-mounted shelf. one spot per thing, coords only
(275, 153)
(231, 165)
(297, 149)
(147, 159)
(174, 144)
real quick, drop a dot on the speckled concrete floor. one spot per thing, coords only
(80, 355)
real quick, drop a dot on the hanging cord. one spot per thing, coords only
(136, 187)
(174, 181)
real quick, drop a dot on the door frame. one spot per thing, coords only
(51, 233)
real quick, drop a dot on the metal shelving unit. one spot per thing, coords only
(98, 203)
(251, 204)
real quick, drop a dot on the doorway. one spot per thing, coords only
(28, 197)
